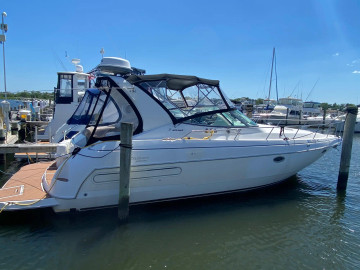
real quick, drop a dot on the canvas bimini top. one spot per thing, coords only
(173, 82)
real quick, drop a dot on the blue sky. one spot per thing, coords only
(230, 41)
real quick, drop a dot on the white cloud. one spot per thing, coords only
(336, 54)
(356, 72)
(356, 61)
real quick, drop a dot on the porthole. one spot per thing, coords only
(279, 159)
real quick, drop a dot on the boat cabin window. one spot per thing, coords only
(65, 85)
(297, 113)
(81, 83)
(63, 93)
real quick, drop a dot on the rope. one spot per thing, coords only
(2, 209)
(6, 173)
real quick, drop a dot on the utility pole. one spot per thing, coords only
(4, 29)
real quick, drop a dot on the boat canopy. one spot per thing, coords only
(191, 100)
(173, 82)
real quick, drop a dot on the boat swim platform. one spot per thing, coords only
(24, 188)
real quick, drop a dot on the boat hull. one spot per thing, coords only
(169, 181)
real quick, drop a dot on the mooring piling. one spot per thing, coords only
(324, 116)
(348, 135)
(125, 166)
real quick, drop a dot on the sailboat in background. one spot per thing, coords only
(287, 110)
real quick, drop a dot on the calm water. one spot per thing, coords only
(300, 224)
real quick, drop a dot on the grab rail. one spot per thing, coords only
(208, 133)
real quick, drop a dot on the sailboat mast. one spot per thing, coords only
(277, 95)
(272, 67)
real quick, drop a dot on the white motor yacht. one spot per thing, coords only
(188, 140)
(339, 122)
(288, 111)
(71, 86)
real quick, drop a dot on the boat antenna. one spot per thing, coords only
(102, 51)
(59, 60)
(312, 89)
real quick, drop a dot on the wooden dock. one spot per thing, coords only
(25, 185)
(28, 148)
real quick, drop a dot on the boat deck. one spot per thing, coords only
(25, 185)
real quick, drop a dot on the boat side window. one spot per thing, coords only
(294, 113)
(116, 110)
(110, 115)
(81, 83)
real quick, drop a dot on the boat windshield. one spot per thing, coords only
(83, 112)
(199, 98)
(233, 118)
(200, 104)
(89, 109)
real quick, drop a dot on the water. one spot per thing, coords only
(300, 224)
(14, 104)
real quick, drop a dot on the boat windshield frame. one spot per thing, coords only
(177, 85)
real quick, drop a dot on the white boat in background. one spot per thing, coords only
(288, 111)
(189, 140)
(71, 86)
(340, 122)
(311, 109)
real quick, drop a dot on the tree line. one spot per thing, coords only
(28, 95)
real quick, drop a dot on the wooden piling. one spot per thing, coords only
(125, 166)
(36, 134)
(324, 116)
(348, 134)
(22, 131)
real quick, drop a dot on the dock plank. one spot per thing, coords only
(25, 184)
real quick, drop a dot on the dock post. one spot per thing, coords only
(50, 140)
(3, 141)
(348, 134)
(287, 116)
(324, 117)
(2, 135)
(36, 134)
(125, 167)
(22, 131)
